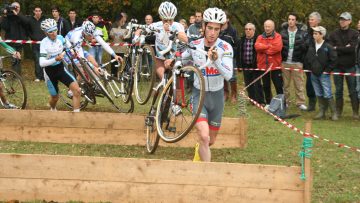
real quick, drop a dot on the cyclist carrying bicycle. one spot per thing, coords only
(51, 55)
(220, 68)
(16, 55)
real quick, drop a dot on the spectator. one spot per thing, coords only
(194, 31)
(36, 34)
(117, 34)
(97, 50)
(314, 20)
(184, 23)
(246, 58)
(268, 47)
(293, 52)
(358, 26)
(191, 20)
(229, 34)
(14, 25)
(358, 65)
(73, 20)
(148, 19)
(63, 25)
(344, 41)
(321, 57)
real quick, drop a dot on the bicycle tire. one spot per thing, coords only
(164, 116)
(127, 79)
(14, 88)
(113, 87)
(152, 137)
(145, 74)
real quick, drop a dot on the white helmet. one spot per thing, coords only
(214, 15)
(48, 25)
(88, 27)
(167, 10)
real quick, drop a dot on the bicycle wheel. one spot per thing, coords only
(113, 87)
(172, 125)
(13, 88)
(66, 97)
(152, 137)
(127, 82)
(144, 76)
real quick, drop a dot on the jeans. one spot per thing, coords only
(39, 74)
(339, 83)
(96, 52)
(322, 85)
(358, 81)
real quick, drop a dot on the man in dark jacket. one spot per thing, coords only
(246, 59)
(14, 25)
(73, 20)
(36, 34)
(63, 24)
(229, 34)
(293, 52)
(344, 41)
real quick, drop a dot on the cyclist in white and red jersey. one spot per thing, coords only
(220, 68)
(167, 12)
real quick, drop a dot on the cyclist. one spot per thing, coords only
(167, 12)
(220, 68)
(51, 55)
(16, 55)
(88, 32)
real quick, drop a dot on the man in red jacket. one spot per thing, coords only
(268, 47)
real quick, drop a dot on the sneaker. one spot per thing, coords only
(69, 94)
(196, 154)
(37, 80)
(302, 107)
(176, 109)
(266, 106)
(9, 106)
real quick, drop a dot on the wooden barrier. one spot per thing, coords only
(100, 128)
(94, 179)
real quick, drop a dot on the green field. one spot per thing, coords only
(336, 170)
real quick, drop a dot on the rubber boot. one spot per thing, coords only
(355, 107)
(322, 111)
(339, 106)
(312, 104)
(334, 114)
(233, 86)
(226, 90)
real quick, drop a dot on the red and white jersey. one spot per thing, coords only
(215, 73)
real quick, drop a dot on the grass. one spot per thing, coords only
(336, 170)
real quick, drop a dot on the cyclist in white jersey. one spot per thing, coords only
(88, 32)
(220, 68)
(167, 12)
(51, 55)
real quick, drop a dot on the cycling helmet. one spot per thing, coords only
(214, 15)
(48, 25)
(167, 10)
(88, 28)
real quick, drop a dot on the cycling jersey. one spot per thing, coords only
(215, 73)
(162, 38)
(76, 38)
(49, 49)
(8, 48)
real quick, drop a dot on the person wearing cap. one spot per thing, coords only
(320, 58)
(344, 41)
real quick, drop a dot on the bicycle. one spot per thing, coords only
(94, 85)
(171, 125)
(13, 87)
(142, 57)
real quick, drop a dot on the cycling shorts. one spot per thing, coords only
(54, 74)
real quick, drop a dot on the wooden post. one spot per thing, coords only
(309, 177)
(243, 130)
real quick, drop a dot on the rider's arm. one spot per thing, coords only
(224, 63)
(43, 60)
(104, 45)
(8, 48)
(182, 37)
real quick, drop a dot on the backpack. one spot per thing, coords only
(278, 107)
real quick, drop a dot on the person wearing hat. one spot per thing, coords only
(320, 58)
(344, 41)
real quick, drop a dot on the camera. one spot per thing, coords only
(8, 8)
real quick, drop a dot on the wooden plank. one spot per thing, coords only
(91, 191)
(308, 172)
(100, 128)
(137, 170)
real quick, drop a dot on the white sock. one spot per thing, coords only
(53, 109)
(76, 110)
